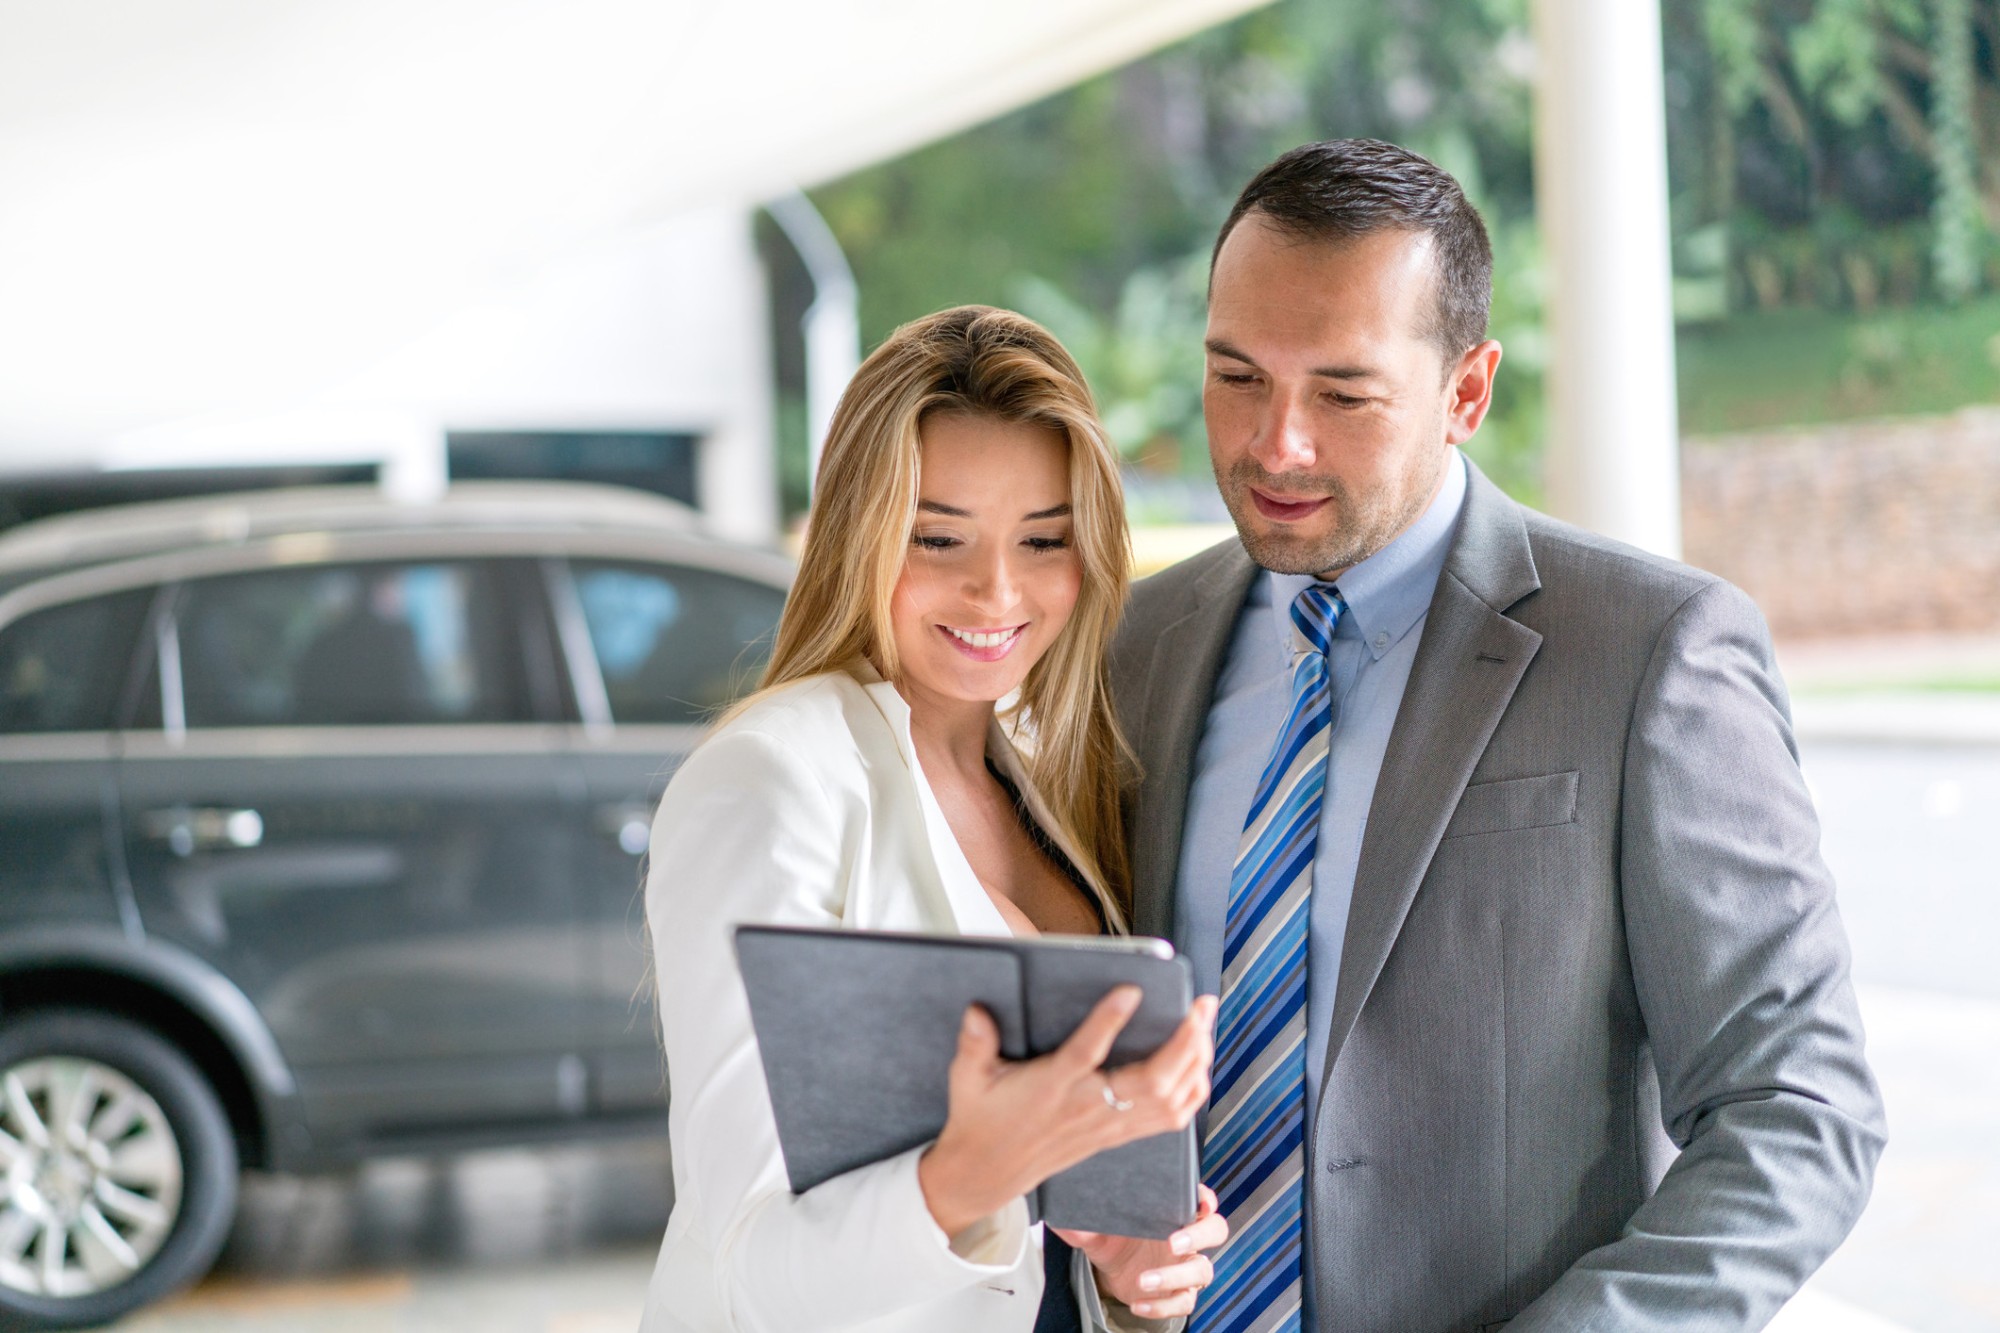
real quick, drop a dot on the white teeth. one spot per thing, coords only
(993, 640)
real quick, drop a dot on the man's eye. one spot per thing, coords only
(930, 542)
(1234, 377)
(1347, 400)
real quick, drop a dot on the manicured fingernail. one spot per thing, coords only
(1149, 1282)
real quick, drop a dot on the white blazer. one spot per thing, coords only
(809, 808)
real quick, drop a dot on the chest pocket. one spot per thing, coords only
(1514, 803)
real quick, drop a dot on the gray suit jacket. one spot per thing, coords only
(1595, 1061)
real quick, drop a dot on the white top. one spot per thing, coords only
(809, 808)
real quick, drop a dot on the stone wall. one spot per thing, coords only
(1856, 529)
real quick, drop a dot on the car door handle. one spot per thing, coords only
(629, 823)
(189, 829)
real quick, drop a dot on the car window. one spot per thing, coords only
(61, 669)
(349, 645)
(675, 643)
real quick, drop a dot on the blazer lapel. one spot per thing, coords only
(964, 896)
(1468, 665)
(1180, 682)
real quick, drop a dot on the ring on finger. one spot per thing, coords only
(1112, 1099)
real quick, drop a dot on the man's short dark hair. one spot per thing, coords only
(1344, 189)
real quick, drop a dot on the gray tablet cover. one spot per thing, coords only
(857, 1030)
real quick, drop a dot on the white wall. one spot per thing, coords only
(662, 330)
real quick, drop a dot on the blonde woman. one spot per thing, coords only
(967, 546)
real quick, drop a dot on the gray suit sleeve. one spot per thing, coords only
(1741, 969)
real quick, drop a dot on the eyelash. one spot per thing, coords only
(1036, 544)
(1239, 381)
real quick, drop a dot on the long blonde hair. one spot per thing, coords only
(992, 363)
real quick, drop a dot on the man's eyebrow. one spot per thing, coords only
(1222, 348)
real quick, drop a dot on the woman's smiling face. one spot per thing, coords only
(992, 572)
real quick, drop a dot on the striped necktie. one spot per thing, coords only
(1254, 1155)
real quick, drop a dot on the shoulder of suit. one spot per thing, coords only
(827, 724)
(1635, 586)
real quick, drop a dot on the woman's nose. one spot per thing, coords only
(994, 585)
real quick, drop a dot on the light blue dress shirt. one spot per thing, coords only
(1387, 596)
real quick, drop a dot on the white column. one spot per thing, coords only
(1601, 195)
(737, 472)
(832, 325)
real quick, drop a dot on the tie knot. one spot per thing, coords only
(1314, 614)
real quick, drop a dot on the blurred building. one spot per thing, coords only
(244, 244)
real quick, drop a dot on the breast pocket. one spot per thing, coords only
(1514, 803)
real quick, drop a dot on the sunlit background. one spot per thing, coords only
(251, 243)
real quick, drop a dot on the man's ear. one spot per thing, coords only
(1469, 393)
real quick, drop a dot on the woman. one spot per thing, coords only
(967, 547)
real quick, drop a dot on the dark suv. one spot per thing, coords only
(320, 830)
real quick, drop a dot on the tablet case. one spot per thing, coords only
(857, 1030)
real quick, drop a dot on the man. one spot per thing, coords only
(1489, 831)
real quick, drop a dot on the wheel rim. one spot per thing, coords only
(93, 1177)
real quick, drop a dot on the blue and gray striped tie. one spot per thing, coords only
(1254, 1155)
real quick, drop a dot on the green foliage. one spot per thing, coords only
(1735, 45)
(1144, 362)
(1094, 211)
(1882, 110)
(1834, 52)
(1800, 367)
(1835, 163)
(1956, 212)
(1509, 445)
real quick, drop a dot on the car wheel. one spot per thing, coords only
(119, 1169)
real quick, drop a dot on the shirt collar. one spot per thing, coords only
(1388, 593)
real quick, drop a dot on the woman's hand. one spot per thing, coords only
(1157, 1279)
(1013, 1124)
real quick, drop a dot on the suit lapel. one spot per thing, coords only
(1468, 665)
(1180, 682)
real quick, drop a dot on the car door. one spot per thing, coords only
(64, 664)
(656, 649)
(350, 809)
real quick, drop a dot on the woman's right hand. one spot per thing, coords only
(1014, 1123)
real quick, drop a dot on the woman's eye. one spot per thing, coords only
(1047, 543)
(932, 542)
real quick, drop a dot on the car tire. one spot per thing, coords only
(149, 1163)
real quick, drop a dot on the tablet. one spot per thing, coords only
(857, 1030)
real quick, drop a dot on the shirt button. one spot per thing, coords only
(1381, 641)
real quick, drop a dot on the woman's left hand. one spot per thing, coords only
(1157, 1279)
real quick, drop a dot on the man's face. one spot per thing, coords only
(1330, 414)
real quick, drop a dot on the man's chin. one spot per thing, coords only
(1284, 552)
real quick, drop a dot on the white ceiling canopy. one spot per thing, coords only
(200, 194)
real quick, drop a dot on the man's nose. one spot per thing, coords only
(1284, 440)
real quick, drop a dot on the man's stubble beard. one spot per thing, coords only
(1358, 531)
